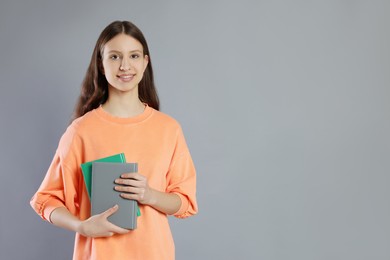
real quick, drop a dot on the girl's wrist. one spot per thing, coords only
(152, 197)
(79, 226)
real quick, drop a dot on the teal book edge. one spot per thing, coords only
(86, 168)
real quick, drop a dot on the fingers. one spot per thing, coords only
(106, 234)
(110, 211)
(128, 189)
(112, 229)
(115, 229)
(142, 197)
(133, 175)
(130, 196)
(99, 225)
(131, 193)
(130, 182)
(133, 186)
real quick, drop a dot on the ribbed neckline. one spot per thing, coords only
(124, 120)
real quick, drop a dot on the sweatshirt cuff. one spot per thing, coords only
(47, 208)
(182, 212)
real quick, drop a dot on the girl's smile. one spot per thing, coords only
(126, 77)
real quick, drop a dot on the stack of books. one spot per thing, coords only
(99, 178)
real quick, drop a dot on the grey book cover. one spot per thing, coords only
(104, 196)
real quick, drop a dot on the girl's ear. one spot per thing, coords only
(146, 58)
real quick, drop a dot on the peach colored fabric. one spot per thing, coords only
(152, 139)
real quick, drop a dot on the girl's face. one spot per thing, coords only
(124, 63)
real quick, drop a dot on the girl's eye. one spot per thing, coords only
(134, 56)
(114, 57)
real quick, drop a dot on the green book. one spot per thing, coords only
(86, 168)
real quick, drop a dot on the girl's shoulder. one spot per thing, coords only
(165, 117)
(165, 120)
(80, 125)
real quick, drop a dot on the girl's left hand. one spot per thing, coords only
(134, 186)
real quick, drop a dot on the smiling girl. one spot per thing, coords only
(118, 111)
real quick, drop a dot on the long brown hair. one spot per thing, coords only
(94, 89)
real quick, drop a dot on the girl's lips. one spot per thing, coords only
(126, 77)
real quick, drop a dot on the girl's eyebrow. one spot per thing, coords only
(132, 51)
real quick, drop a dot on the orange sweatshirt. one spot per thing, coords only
(152, 139)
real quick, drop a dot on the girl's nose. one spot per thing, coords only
(125, 65)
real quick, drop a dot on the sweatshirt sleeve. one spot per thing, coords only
(181, 178)
(59, 187)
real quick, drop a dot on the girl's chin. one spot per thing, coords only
(122, 88)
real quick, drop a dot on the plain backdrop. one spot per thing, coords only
(284, 105)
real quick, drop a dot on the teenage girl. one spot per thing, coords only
(118, 111)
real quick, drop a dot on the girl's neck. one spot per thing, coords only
(123, 104)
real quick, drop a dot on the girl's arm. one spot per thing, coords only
(95, 226)
(137, 188)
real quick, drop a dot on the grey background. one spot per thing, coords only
(284, 104)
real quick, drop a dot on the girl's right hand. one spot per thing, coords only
(99, 226)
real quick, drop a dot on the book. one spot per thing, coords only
(104, 196)
(86, 169)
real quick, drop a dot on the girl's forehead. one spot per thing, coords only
(123, 42)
